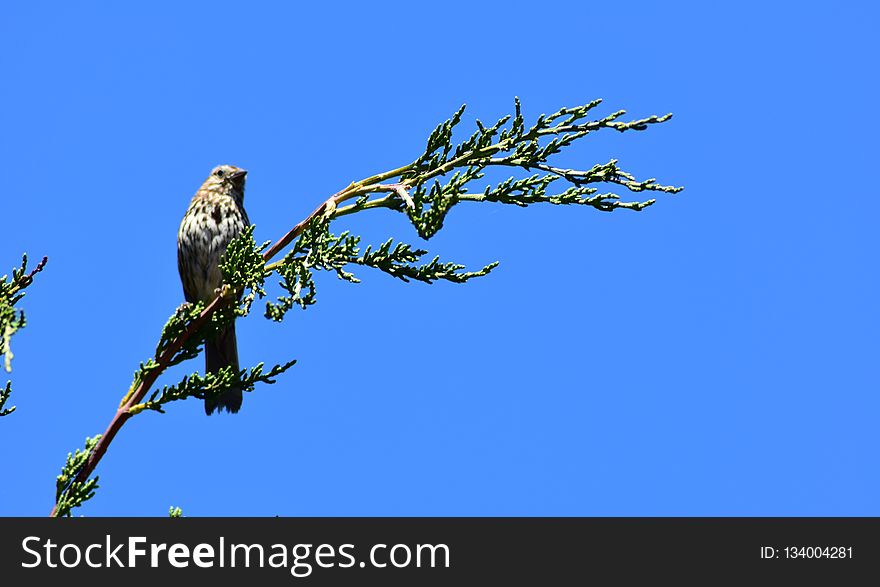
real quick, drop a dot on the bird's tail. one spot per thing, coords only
(222, 351)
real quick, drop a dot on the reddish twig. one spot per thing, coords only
(26, 280)
(37, 269)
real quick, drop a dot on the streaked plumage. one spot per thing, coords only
(215, 216)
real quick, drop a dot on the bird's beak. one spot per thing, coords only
(238, 174)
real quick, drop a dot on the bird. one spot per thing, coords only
(215, 216)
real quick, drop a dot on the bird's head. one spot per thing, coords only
(226, 180)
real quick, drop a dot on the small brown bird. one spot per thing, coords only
(215, 216)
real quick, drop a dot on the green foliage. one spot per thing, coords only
(4, 395)
(244, 269)
(210, 385)
(11, 292)
(319, 249)
(70, 493)
(424, 193)
(400, 262)
(12, 319)
(174, 512)
(508, 143)
(184, 316)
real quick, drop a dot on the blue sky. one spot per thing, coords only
(715, 354)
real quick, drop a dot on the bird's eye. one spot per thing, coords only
(219, 173)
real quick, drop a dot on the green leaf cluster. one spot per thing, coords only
(210, 385)
(70, 493)
(432, 192)
(13, 319)
(319, 249)
(4, 396)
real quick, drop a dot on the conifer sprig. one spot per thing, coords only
(71, 492)
(13, 319)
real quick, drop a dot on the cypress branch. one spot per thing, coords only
(425, 190)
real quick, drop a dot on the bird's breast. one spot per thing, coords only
(205, 231)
